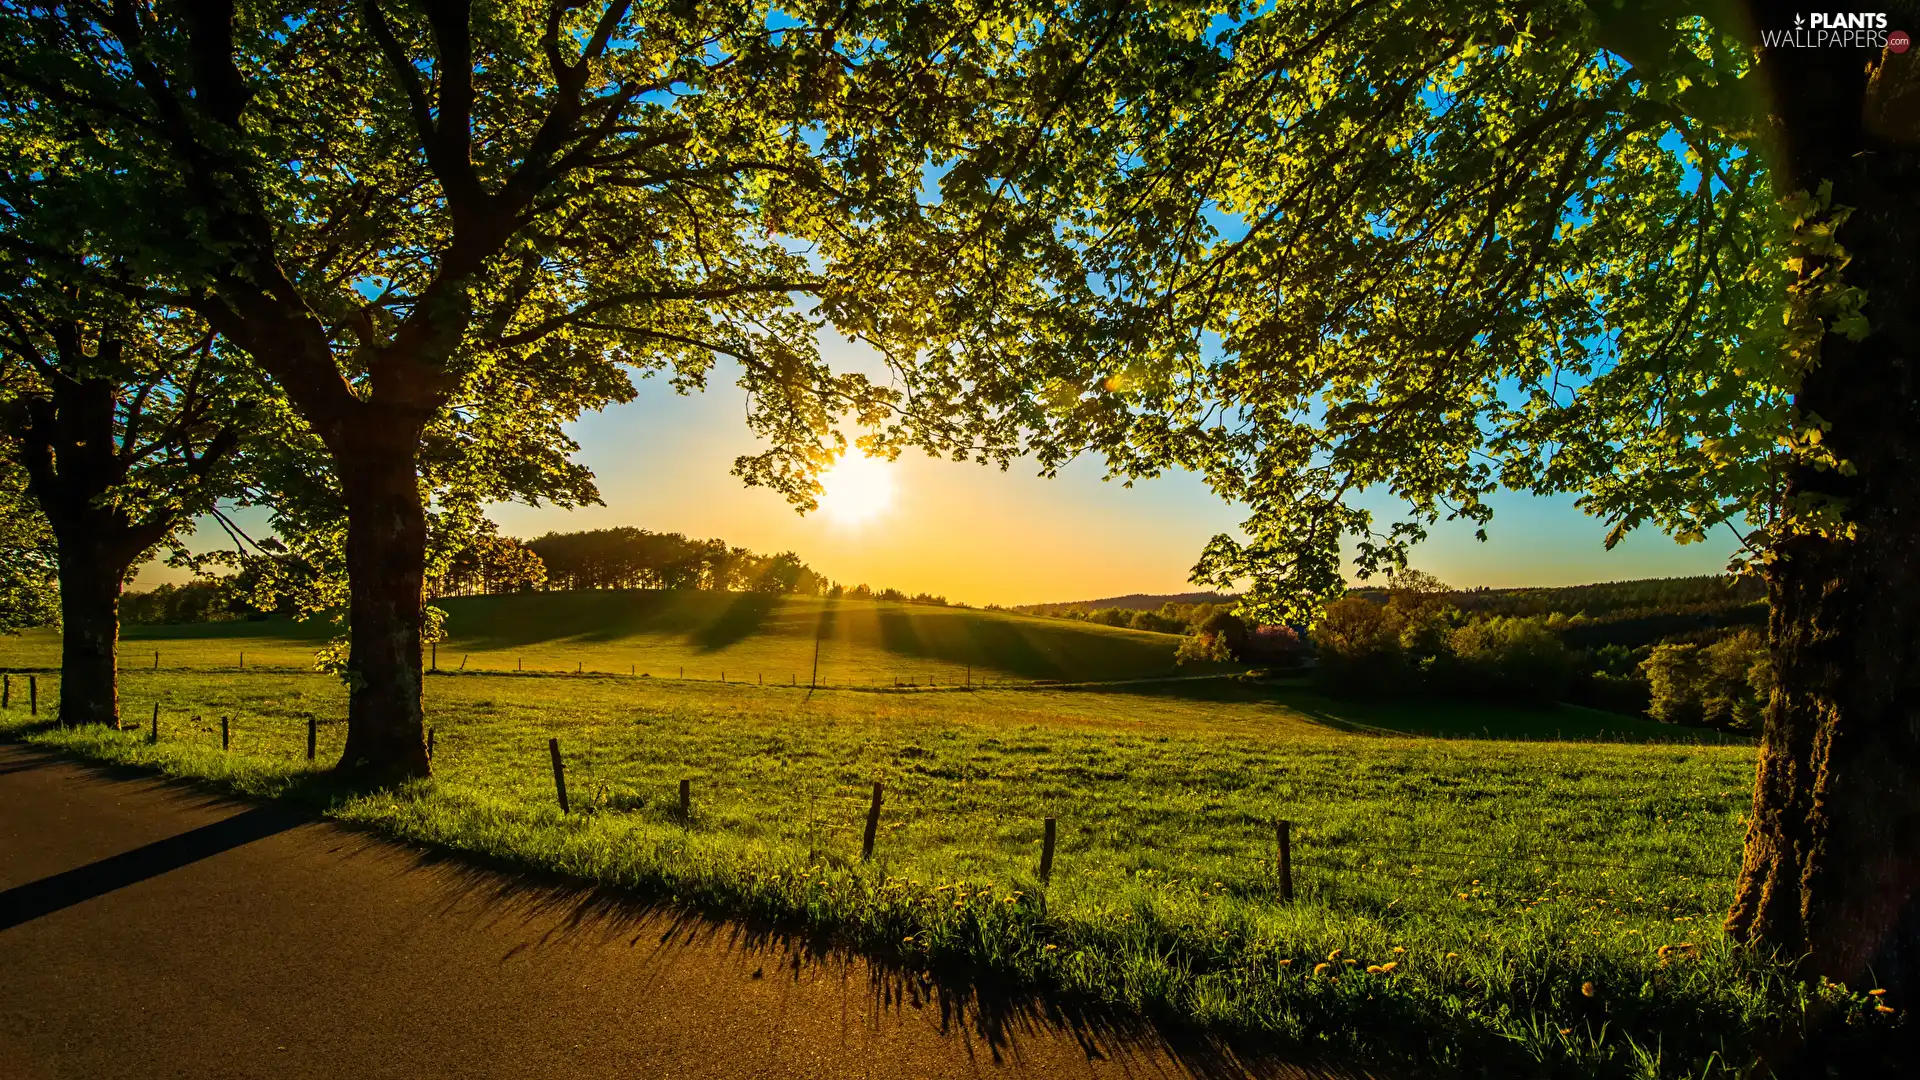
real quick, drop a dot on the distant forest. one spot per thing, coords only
(618, 558)
(1629, 614)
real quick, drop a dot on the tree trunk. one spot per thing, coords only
(386, 570)
(90, 582)
(1832, 866)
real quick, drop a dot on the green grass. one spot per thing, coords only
(703, 635)
(1510, 872)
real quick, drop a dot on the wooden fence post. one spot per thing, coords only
(243, 660)
(873, 824)
(1046, 852)
(226, 733)
(33, 695)
(153, 736)
(686, 800)
(559, 773)
(6, 692)
(156, 659)
(1283, 833)
(313, 735)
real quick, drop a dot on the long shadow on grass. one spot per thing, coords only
(1426, 718)
(967, 1004)
(739, 620)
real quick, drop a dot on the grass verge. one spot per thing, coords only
(1485, 906)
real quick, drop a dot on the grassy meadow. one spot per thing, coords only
(1539, 894)
(743, 637)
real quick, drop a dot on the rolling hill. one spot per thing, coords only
(690, 634)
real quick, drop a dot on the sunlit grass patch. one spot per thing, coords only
(1553, 905)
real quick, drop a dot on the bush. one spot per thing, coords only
(1203, 648)
(1157, 621)
(194, 602)
(1509, 659)
(1360, 649)
(1723, 685)
(1615, 693)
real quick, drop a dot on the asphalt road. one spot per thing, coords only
(148, 930)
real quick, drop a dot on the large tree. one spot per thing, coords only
(383, 203)
(1661, 255)
(118, 422)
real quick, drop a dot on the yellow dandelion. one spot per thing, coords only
(1876, 993)
(1883, 1008)
(1286, 963)
(1453, 956)
(1566, 1031)
(1587, 989)
(1373, 969)
(1318, 968)
(1334, 955)
(1387, 968)
(1051, 948)
(1350, 962)
(1399, 950)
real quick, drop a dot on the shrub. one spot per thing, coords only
(1157, 621)
(1509, 659)
(198, 601)
(1723, 685)
(1203, 648)
(1359, 646)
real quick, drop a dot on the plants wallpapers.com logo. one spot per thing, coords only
(1838, 30)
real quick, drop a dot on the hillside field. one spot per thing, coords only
(1542, 890)
(747, 637)
(1536, 888)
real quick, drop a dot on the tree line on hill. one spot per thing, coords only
(489, 564)
(1681, 650)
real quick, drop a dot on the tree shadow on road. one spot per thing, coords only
(998, 1018)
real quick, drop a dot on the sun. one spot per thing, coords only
(859, 489)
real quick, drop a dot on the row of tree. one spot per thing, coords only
(629, 558)
(491, 564)
(634, 558)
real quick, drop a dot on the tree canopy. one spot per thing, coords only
(1436, 250)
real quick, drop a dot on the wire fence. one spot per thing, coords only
(950, 676)
(834, 809)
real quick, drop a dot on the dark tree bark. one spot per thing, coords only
(72, 460)
(386, 570)
(1832, 865)
(91, 578)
